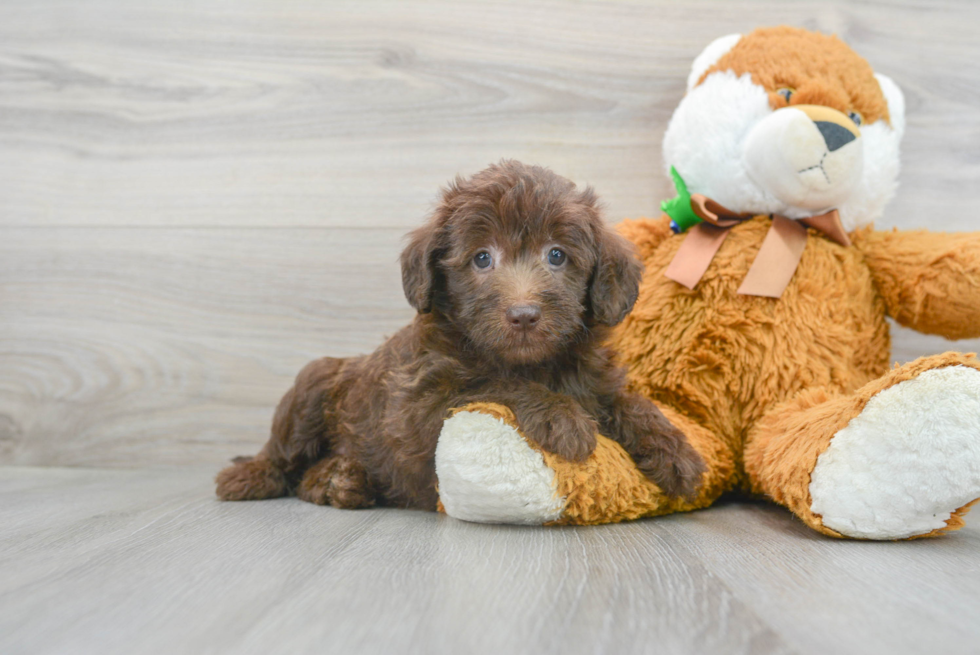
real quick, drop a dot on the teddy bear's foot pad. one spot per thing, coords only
(489, 474)
(908, 463)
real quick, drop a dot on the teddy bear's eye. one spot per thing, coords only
(786, 92)
(856, 117)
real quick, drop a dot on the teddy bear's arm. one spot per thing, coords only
(930, 281)
(646, 233)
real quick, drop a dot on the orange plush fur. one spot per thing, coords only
(819, 69)
(756, 372)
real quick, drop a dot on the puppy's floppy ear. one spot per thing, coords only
(616, 279)
(420, 259)
(419, 265)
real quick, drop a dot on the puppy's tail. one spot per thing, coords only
(249, 478)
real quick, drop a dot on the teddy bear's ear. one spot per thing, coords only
(710, 56)
(895, 100)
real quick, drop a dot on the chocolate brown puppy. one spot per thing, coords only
(516, 280)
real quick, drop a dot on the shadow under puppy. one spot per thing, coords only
(516, 280)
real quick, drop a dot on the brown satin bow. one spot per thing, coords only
(778, 257)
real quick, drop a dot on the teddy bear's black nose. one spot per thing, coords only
(834, 135)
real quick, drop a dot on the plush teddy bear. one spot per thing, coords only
(760, 329)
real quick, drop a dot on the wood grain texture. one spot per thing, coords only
(98, 561)
(198, 198)
(172, 347)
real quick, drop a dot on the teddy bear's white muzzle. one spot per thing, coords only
(808, 157)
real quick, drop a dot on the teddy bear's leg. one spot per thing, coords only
(489, 472)
(898, 458)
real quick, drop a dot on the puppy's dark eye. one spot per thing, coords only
(556, 257)
(856, 117)
(482, 259)
(786, 92)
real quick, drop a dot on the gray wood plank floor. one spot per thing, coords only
(196, 198)
(102, 561)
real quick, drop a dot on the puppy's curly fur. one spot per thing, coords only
(516, 280)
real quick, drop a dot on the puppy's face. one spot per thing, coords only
(521, 263)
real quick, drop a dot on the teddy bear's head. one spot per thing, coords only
(786, 121)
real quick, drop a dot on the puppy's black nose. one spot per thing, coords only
(524, 316)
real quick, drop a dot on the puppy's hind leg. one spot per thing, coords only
(300, 434)
(338, 480)
(262, 476)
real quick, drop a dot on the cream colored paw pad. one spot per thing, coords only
(906, 462)
(489, 474)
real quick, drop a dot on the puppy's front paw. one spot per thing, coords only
(676, 476)
(562, 428)
(661, 451)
